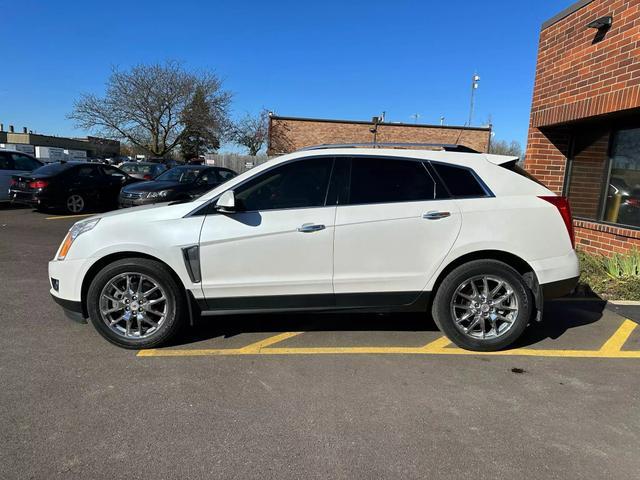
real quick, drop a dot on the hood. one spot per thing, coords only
(154, 211)
(153, 186)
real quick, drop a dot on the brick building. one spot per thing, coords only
(584, 133)
(287, 134)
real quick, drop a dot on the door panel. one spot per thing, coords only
(392, 247)
(262, 253)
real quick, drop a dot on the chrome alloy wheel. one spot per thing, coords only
(484, 307)
(133, 305)
(75, 203)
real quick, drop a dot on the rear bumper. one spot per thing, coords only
(72, 309)
(32, 199)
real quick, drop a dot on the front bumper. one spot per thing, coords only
(73, 310)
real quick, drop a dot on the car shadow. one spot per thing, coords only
(559, 317)
(227, 326)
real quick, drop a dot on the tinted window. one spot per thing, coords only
(23, 162)
(386, 180)
(52, 169)
(180, 174)
(112, 171)
(294, 185)
(460, 181)
(5, 162)
(87, 171)
(226, 175)
(209, 178)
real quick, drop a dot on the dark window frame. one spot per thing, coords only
(487, 191)
(606, 175)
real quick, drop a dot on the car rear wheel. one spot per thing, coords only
(483, 305)
(136, 303)
(75, 203)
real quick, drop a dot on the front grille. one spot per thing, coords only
(132, 195)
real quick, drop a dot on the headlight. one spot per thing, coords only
(160, 194)
(76, 230)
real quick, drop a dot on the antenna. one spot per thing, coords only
(415, 117)
(475, 80)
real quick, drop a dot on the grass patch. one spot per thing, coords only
(611, 278)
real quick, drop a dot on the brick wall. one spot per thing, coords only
(584, 78)
(287, 134)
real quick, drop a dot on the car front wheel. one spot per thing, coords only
(483, 305)
(136, 303)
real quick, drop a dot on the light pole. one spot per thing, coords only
(475, 80)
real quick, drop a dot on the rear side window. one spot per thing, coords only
(5, 162)
(22, 162)
(387, 180)
(461, 182)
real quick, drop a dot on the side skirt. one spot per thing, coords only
(378, 302)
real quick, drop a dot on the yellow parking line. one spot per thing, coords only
(612, 348)
(257, 346)
(618, 339)
(62, 217)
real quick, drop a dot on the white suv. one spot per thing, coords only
(468, 237)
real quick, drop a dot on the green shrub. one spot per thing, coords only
(616, 277)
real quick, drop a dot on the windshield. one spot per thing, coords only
(180, 174)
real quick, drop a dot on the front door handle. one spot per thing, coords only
(435, 215)
(310, 227)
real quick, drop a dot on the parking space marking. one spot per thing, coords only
(62, 217)
(612, 348)
(618, 339)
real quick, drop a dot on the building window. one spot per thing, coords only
(605, 186)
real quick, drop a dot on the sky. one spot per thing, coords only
(322, 59)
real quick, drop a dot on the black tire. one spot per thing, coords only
(175, 302)
(443, 317)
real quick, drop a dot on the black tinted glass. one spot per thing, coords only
(22, 162)
(299, 184)
(460, 181)
(382, 180)
(52, 169)
(5, 162)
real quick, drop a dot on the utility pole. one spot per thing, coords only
(475, 80)
(441, 119)
(415, 117)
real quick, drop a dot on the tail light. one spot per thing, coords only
(634, 202)
(148, 177)
(38, 184)
(562, 204)
(13, 182)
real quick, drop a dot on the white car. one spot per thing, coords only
(467, 237)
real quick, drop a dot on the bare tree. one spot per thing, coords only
(147, 106)
(502, 147)
(252, 132)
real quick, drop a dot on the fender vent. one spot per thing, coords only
(191, 257)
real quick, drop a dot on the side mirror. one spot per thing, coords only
(226, 203)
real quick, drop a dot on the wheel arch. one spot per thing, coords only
(514, 261)
(107, 259)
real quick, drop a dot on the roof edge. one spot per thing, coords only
(394, 124)
(565, 13)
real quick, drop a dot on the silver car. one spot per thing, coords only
(14, 163)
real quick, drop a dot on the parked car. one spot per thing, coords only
(14, 163)
(464, 236)
(71, 186)
(179, 183)
(629, 207)
(143, 170)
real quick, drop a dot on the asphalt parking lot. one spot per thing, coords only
(306, 396)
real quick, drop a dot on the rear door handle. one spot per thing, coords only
(311, 227)
(435, 215)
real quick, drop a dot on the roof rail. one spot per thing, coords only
(447, 147)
